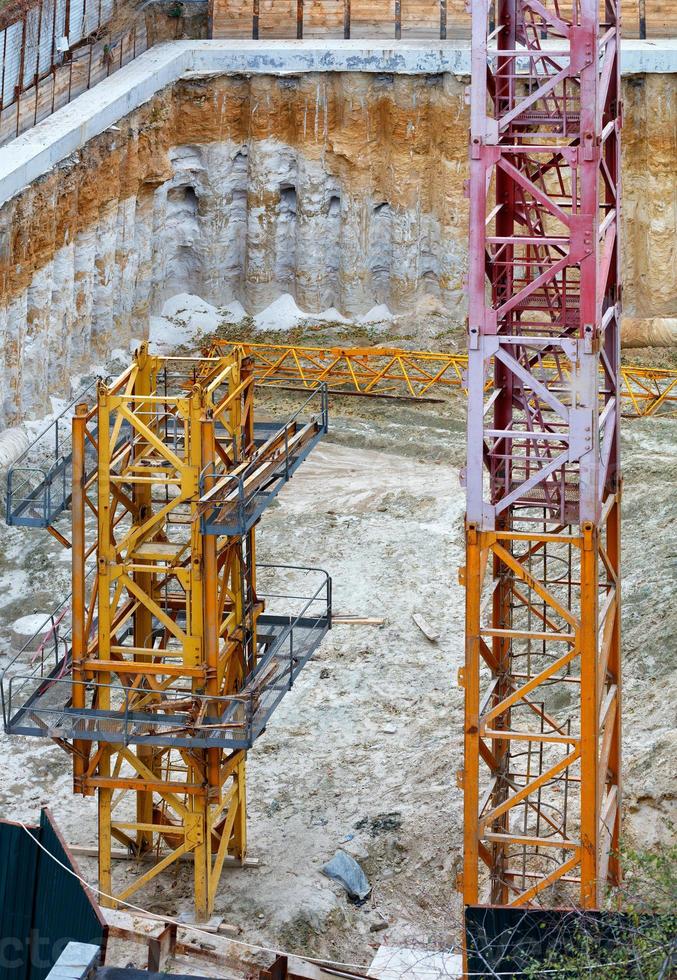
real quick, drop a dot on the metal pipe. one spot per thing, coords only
(78, 639)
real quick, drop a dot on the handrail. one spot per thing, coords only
(25, 497)
(55, 422)
(284, 448)
(251, 701)
(55, 617)
(327, 584)
(322, 415)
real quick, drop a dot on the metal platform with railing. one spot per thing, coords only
(231, 504)
(36, 686)
(39, 482)
(175, 637)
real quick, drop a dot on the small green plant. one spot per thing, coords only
(639, 942)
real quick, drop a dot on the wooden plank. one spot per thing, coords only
(357, 621)
(372, 19)
(233, 19)
(377, 19)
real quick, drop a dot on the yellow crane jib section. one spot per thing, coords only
(400, 373)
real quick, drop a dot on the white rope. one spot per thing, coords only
(183, 925)
(313, 959)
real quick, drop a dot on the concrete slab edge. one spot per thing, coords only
(41, 148)
(78, 961)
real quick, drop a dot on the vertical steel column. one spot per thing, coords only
(211, 600)
(142, 499)
(78, 547)
(105, 557)
(542, 677)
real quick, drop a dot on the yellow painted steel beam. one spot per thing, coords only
(396, 372)
(163, 590)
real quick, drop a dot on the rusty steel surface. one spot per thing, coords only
(542, 677)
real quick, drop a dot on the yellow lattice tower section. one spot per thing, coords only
(167, 629)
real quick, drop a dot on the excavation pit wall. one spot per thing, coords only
(334, 174)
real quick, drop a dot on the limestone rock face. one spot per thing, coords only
(345, 190)
(649, 142)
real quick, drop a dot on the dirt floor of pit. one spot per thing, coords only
(362, 754)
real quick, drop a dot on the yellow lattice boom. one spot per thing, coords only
(396, 372)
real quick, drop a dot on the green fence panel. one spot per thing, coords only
(43, 905)
(18, 865)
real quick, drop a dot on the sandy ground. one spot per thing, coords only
(362, 753)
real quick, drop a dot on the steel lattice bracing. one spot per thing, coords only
(170, 656)
(394, 372)
(176, 620)
(542, 677)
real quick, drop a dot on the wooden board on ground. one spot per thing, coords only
(428, 631)
(357, 621)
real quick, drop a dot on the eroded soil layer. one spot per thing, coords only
(344, 190)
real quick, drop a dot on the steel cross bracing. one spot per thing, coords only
(176, 656)
(542, 678)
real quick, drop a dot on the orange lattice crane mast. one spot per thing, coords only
(542, 673)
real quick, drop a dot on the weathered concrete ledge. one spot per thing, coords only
(37, 151)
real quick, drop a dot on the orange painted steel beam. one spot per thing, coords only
(79, 635)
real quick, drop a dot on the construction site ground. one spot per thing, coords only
(362, 754)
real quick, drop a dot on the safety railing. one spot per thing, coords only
(231, 504)
(38, 701)
(289, 640)
(44, 655)
(39, 481)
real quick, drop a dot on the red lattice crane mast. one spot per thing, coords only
(542, 673)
